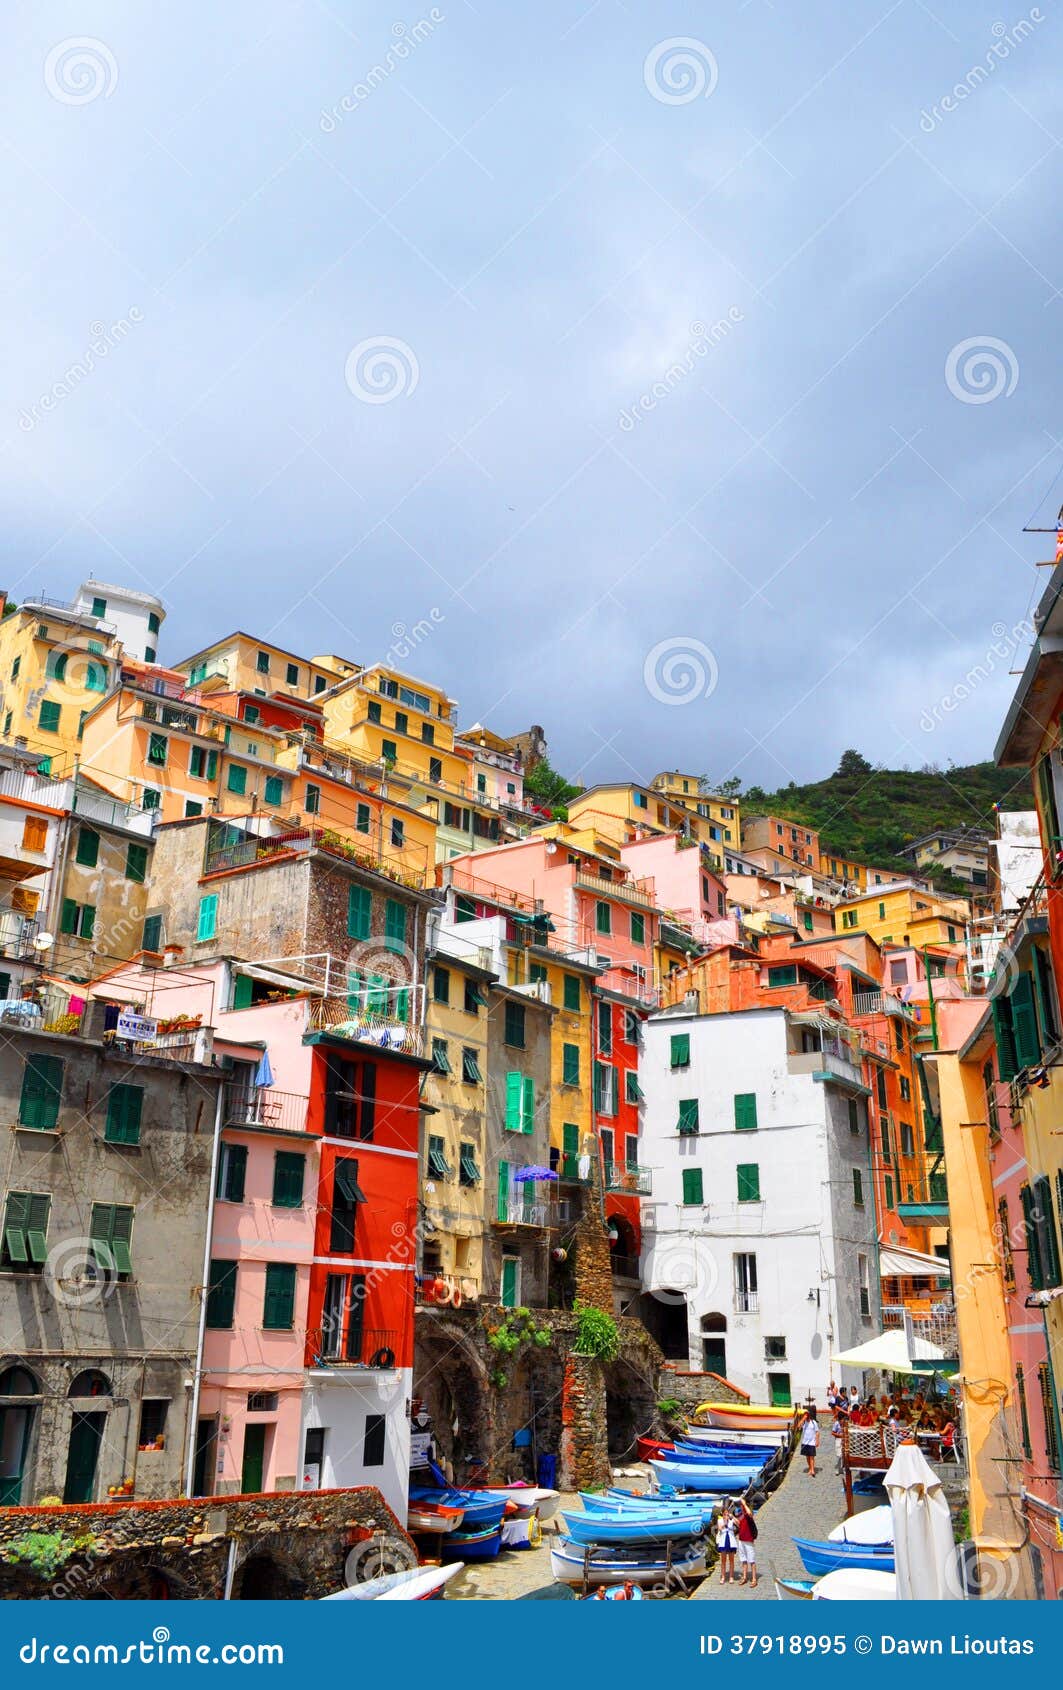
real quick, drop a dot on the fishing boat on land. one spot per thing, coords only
(873, 1526)
(689, 1475)
(648, 1448)
(735, 1438)
(715, 1457)
(856, 1584)
(571, 1562)
(434, 1516)
(645, 1502)
(745, 1417)
(481, 1508)
(527, 1499)
(794, 1590)
(820, 1558)
(417, 1584)
(631, 1528)
(481, 1545)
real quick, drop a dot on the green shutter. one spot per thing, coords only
(603, 918)
(503, 1191)
(289, 1170)
(236, 781)
(87, 924)
(361, 819)
(745, 1111)
(88, 847)
(274, 789)
(749, 1182)
(278, 1311)
(572, 992)
(68, 916)
(638, 929)
(136, 863)
(1024, 1022)
(221, 1295)
(527, 1105)
(514, 1094)
(688, 1115)
(212, 765)
(394, 925)
(693, 1186)
(124, 1106)
(1033, 1250)
(42, 1088)
(243, 986)
(359, 912)
(597, 1085)
(48, 720)
(1046, 1231)
(208, 917)
(232, 1173)
(570, 1065)
(680, 1050)
(569, 1149)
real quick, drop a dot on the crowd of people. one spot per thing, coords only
(913, 1412)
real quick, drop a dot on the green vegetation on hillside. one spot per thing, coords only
(870, 814)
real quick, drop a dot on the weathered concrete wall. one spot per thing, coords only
(287, 1546)
(529, 1244)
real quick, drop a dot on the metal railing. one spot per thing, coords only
(626, 983)
(464, 881)
(66, 607)
(747, 1302)
(623, 1267)
(639, 892)
(369, 1026)
(326, 1347)
(264, 1106)
(17, 933)
(226, 852)
(624, 1176)
(515, 1212)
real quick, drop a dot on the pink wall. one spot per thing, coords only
(677, 875)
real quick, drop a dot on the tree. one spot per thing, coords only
(731, 788)
(543, 785)
(853, 763)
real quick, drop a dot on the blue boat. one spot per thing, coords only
(480, 1545)
(616, 1529)
(687, 1475)
(755, 1464)
(614, 1502)
(482, 1509)
(820, 1558)
(751, 1454)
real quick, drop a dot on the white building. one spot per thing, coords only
(136, 618)
(760, 1257)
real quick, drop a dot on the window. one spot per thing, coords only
(289, 1171)
(470, 1066)
(693, 1187)
(570, 1065)
(262, 663)
(889, 1191)
(77, 920)
(110, 1230)
(428, 733)
(441, 985)
(346, 1196)
(394, 925)
(402, 722)
(192, 809)
(278, 1308)
(362, 818)
(474, 999)
(232, 1172)
(468, 1172)
(858, 1188)
(638, 929)
(435, 771)
(206, 926)
(1024, 1411)
(907, 1139)
(99, 608)
(603, 917)
(152, 1429)
(237, 779)
(42, 1089)
(440, 1059)
(24, 1244)
(15, 667)
(7, 723)
(320, 683)
(274, 789)
(689, 1117)
(906, 1088)
(748, 1182)
(375, 1440)
(312, 801)
(745, 1282)
(359, 912)
(1048, 1409)
(149, 655)
(464, 908)
(632, 1089)
(782, 976)
(572, 993)
(136, 863)
(374, 711)
(745, 1111)
(48, 720)
(389, 750)
(605, 1027)
(680, 1048)
(865, 1287)
(513, 1033)
(291, 675)
(520, 1102)
(605, 1088)
(398, 832)
(157, 749)
(630, 1025)
(151, 938)
(124, 1105)
(35, 833)
(438, 1166)
(880, 1086)
(88, 847)
(150, 798)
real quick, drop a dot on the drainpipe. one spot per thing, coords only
(208, 1242)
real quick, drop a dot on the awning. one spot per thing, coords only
(897, 1263)
(890, 1350)
(347, 1182)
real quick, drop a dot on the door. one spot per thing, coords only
(15, 1426)
(714, 1355)
(254, 1460)
(86, 1434)
(510, 1282)
(569, 1150)
(203, 1470)
(779, 1390)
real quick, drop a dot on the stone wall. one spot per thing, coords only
(290, 1545)
(693, 1388)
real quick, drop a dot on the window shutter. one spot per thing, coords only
(16, 1215)
(278, 1313)
(572, 992)
(688, 1115)
(569, 1148)
(68, 916)
(514, 1095)
(527, 1105)
(748, 1182)
(680, 1050)
(121, 1235)
(88, 847)
(1024, 1023)
(693, 1186)
(124, 1105)
(237, 779)
(394, 925)
(208, 916)
(503, 1191)
(152, 936)
(235, 1172)
(598, 1086)
(359, 912)
(88, 920)
(212, 765)
(1033, 1249)
(221, 1294)
(42, 1087)
(289, 1169)
(1048, 1245)
(243, 987)
(570, 1065)
(274, 789)
(745, 1111)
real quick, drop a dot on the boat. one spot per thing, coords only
(745, 1417)
(734, 1438)
(480, 1507)
(631, 1528)
(527, 1499)
(481, 1545)
(856, 1584)
(794, 1590)
(648, 1448)
(820, 1558)
(570, 1563)
(417, 1584)
(645, 1502)
(434, 1517)
(707, 1454)
(873, 1526)
(723, 1481)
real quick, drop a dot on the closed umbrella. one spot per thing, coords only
(264, 1071)
(924, 1546)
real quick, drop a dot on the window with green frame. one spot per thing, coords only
(570, 1065)
(1024, 1410)
(441, 985)
(262, 663)
(150, 798)
(359, 912)
(50, 713)
(536, 973)
(42, 1091)
(207, 922)
(689, 1122)
(77, 920)
(99, 608)
(513, 1033)
(745, 1111)
(889, 1191)
(438, 1166)
(232, 1172)
(374, 711)
(24, 1242)
(474, 999)
(573, 996)
(274, 789)
(88, 847)
(748, 1182)
(632, 1090)
(389, 750)
(158, 748)
(124, 1106)
(312, 800)
(638, 928)
(278, 1307)
(136, 863)
(680, 1050)
(236, 779)
(110, 1233)
(192, 808)
(221, 1296)
(362, 818)
(603, 917)
(785, 975)
(470, 1066)
(153, 622)
(394, 925)
(693, 1187)
(440, 1058)
(151, 938)
(289, 1172)
(520, 1102)
(468, 1171)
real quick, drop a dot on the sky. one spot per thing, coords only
(674, 377)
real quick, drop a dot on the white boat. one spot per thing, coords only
(745, 1417)
(794, 1590)
(734, 1439)
(528, 1499)
(618, 1566)
(855, 1584)
(873, 1526)
(417, 1584)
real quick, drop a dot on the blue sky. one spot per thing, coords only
(695, 375)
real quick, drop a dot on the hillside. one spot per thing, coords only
(871, 814)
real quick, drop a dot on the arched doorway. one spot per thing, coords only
(630, 1407)
(86, 1435)
(19, 1400)
(714, 1344)
(262, 1579)
(450, 1379)
(664, 1315)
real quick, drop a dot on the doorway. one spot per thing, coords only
(203, 1467)
(779, 1390)
(254, 1462)
(714, 1344)
(510, 1282)
(86, 1435)
(15, 1425)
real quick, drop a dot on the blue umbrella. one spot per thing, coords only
(521, 1175)
(264, 1073)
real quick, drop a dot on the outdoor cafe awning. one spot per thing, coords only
(896, 1263)
(890, 1351)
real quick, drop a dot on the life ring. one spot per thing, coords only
(441, 1292)
(383, 1358)
(455, 1297)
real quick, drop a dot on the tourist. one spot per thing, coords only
(746, 1531)
(838, 1433)
(810, 1440)
(854, 1398)
(948, 1441)
(727, 1542)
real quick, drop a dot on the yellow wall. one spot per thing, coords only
(889, 916)
(459, 1212)
(236, 658)
(22, 695)
(568, 1103)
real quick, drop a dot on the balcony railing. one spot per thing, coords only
(515, 1212)
(747, 1302)
(17, 933)
(264, 1107)
(640, 892)
(880, 1003)
(66, 607)
(626, 983)
(226, 851)
(369, 1026)
(829, 1064)
(937, 1326)
(625, 1176)
(327, 1347)
(624, 1267)
(486, 891)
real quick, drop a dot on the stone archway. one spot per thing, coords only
(451, 1379)
(261, 1578)
(630, 1407)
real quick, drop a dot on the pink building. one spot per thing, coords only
(687, 889)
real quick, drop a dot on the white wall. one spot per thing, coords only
(128, 613)
(341, 1401)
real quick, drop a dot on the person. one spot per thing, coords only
(837, 1424)
(832, 1395)
(746, 1532)
(727, 1543)
(948, 1441)
(854, 1398)
(810, 1440)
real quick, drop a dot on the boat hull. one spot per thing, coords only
(529, 1499)
(820, 1558)
(738, 1438)
(433, 1517)
(472, 1546)
(740, 1418)
(716, 1480)
(479, 1509)
(794, 1590)
(644, 1503)
(419, 1584)
(569, 1565)
(640, 1528)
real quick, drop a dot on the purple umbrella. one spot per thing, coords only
(521, 1175)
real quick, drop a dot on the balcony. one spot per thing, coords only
(747, 1302)
(926, 1198)
(624, 1176)
(637, 892)
(624, 982)
(363, 1025)
(69, 611)
(264, 1108)
(880, 1003)
(829, 1066)
(936, 1326)
(514, 1211)
(230, 847)
(17, 933)
(326, 1347)
(624, 1267)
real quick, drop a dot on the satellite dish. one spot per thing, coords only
(551, 847)
(44, 941)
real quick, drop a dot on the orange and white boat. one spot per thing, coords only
(744, 1417)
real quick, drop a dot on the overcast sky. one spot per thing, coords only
(635, 355)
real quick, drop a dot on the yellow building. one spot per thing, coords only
(242, 663)
(623, 813)
(566, 979)
(685, 791)
(56, 662)
(903, 914)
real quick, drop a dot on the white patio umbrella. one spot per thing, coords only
(924, 1546)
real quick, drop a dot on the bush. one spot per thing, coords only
(597, 1334)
